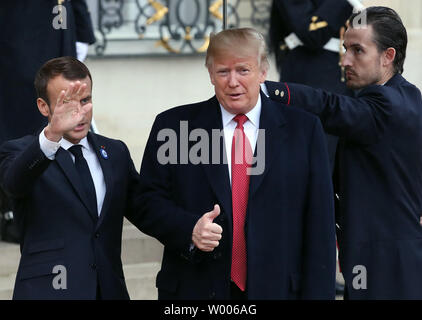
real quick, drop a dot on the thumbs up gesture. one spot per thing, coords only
(207, 234)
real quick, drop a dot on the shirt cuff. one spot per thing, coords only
(49, 148)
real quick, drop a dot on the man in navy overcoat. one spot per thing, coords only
(379, 165)
(266, 234)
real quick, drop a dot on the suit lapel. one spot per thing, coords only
(217, 174)
(65, 162)
(107, 172)
(271, 135)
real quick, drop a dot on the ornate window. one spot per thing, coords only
(163, 27)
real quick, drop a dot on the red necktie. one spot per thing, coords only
(241, 160)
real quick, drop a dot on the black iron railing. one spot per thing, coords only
(154, 27)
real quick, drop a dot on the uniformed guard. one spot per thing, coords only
(305, 36)
(32, 32)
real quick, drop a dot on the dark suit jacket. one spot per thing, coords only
(290, 222)
(310, 64)
(57, 226)
(27, 41)
(380, 183)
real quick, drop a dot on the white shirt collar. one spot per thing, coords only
(65, 144)
(252, 115)
(265, 89)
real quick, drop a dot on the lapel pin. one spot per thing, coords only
(103, 153)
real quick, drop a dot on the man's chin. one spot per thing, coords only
(237, 107)
(353, 85)
(76, 137)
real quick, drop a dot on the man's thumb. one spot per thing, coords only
(214, 213)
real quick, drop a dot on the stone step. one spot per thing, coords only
(6, 286)
(140, 280)
(138, 247)
(10, 255)
(6, 294)
(9, 261)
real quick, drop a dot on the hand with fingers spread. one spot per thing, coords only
(70, 110)
(207, 234)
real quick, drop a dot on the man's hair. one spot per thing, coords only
(389, 32)
(242, 41)
(69, 67)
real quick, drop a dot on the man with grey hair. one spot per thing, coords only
(245, 227)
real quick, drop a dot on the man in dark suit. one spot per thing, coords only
(379, 174)
(31, 33)
(241, 229)
(71, 189)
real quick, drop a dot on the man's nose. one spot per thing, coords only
(233, 81)
(346, 60)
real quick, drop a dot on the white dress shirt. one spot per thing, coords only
(250, 127)
(49, 148)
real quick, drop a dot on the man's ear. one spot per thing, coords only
(389, 56)
(211, 76)
(263, 76)
(43, 107)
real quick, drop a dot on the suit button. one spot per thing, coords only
(212, 295)
(217, 255)
(97, 235)
(93, 266)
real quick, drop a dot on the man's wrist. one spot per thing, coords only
(51, 135)
(48, 147)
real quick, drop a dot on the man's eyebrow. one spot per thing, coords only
(352, 45)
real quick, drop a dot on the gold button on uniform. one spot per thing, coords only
(277, 92)
(282, 94)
